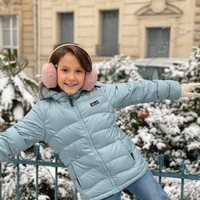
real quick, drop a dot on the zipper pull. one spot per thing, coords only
(71, 101)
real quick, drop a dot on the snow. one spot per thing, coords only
(16, 94)
(7, 97)
(18, 113)
(18, 83)
(4, 82)
(172, 128)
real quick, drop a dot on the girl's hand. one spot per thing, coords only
(187, 90)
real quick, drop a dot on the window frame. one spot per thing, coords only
(12, 28)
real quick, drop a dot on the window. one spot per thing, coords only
(66, 27)
(109, 34)
(158, 42)
(9, 34)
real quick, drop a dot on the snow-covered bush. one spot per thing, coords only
(191, 189)
(117, 69)
(187, 108)
(17, 91)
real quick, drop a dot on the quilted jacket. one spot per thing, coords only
(81, 129)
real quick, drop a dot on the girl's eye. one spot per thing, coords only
(79, 71)
(65, 70)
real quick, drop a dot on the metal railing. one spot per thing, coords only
(182, 174)
(36, 161)
(160, 172)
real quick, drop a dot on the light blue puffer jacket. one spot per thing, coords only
(81, 129)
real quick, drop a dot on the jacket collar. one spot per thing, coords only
(57, 95)
(60, 96)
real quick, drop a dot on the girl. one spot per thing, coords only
(75, 117)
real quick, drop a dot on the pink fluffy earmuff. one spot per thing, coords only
(49, 75)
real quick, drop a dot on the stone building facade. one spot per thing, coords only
(137, 28)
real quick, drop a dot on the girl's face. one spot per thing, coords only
(70, 74)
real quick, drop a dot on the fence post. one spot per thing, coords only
(0, 181)
(160, 164)
(36, 152)
(56, 180)
(18, 180)
(183, 167)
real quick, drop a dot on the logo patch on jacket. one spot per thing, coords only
(94, 103)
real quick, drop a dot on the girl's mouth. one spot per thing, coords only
(70, 85)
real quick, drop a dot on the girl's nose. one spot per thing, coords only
(71, 76)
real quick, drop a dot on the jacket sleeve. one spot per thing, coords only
(23, 134)
(144, 91)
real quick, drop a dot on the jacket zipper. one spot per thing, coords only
(71, 101)
(91, 143)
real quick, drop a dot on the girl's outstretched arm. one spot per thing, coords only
(23, 134)
(144, 91)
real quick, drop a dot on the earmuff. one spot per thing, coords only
(49, 74)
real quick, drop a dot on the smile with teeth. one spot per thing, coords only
(70, 84)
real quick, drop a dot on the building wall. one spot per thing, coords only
(132, 25)
(24, 10)
(39, 25)
(196, 36)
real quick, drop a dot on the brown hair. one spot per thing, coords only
(80, 53)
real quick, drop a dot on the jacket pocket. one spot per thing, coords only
(132, 156)
(128, 151)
